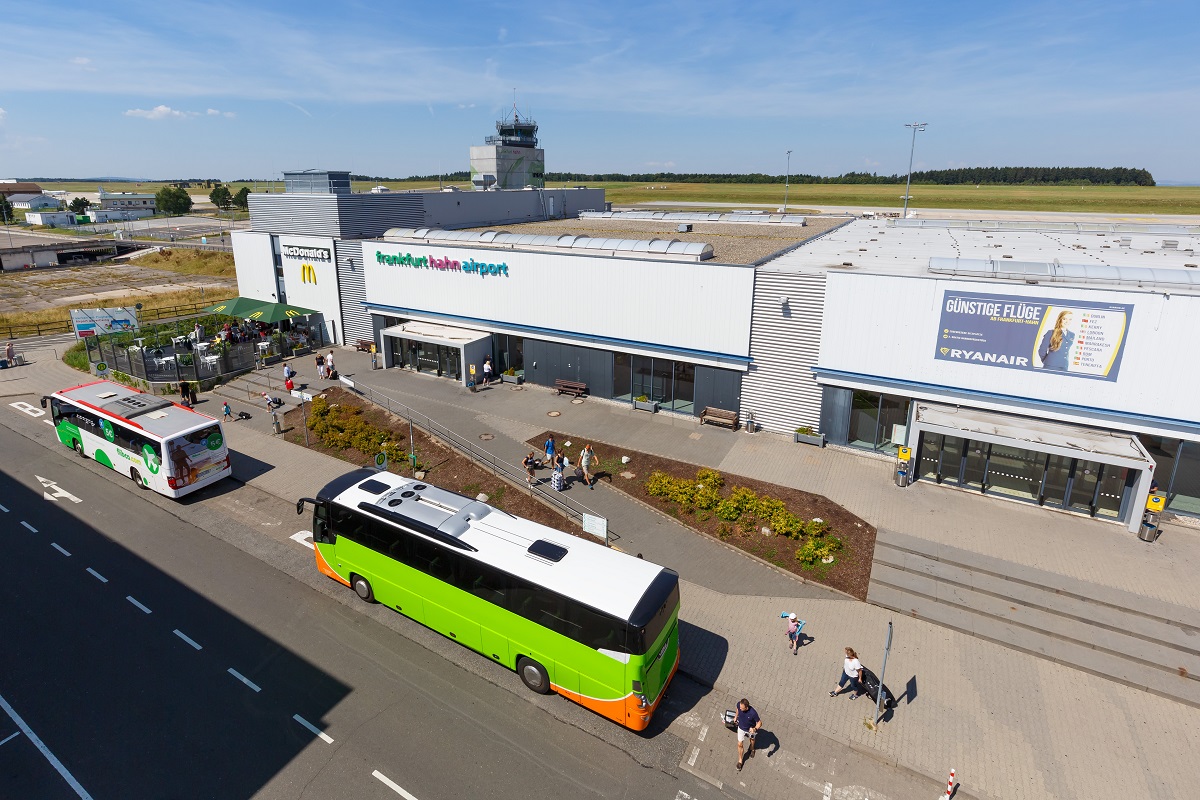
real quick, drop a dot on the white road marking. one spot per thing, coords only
(395, 787)
(54, 762)
(10, 737)
(322, 735)
(59, 548)
(187, 638)
(48, 422)
(244, 679)
(136, 603)
(27, 525)
(302, 537)
(26, 408)
(828, 791)
(703, 732)
(97, 575)
(682, 795)
(5, 510)
(58, 491)
(695, 754)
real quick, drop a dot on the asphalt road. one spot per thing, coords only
(147, 657)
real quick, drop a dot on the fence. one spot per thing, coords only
(64, 326)
(571, 509)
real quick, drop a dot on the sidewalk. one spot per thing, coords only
(1011, 724)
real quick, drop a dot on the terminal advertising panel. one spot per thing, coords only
(1076, 338)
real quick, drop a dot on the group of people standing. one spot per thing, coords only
(558, 462)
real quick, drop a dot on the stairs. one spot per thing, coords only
(1141, 642)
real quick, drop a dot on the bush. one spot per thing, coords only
(812, 551)
(816, 528)
(76, 357)
(659, 484)
(710, 478)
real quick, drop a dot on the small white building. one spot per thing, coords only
(33, 202)
(57, 219)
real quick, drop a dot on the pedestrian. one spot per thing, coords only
(557, 479)
(586, 456)
(226, 411)
(320, 366)
(748, 723)
(487, 371)
(329, 368)
(549, 448)
(288, 371)
(529, 463)
(272, 403)
(851, 675)
(183, 390)
(10, 354)
(794, 626)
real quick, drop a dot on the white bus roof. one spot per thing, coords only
(156, 415)
(607, 580)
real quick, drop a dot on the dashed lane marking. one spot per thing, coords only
(30, 527)
(97, 575)
(59, 548)
(187, 638)
(5, 510)
(703, 732)
(244, 679)
(45, 751)
(395, 787)
(694, 756)
(136, 603)
(320, 734)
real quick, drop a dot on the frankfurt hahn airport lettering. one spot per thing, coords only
(446, 264)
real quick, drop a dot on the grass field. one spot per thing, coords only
(1106, 199)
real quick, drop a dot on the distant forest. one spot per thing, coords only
(1016, 176)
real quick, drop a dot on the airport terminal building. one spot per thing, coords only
(1037, 362)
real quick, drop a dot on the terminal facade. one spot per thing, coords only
(1037, 362)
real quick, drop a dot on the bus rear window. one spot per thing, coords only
(654, 611)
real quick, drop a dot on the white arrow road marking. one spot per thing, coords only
(58, 490)
(303, 538)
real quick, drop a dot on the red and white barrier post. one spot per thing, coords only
(949, 785)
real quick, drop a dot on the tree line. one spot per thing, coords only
(1032, 176)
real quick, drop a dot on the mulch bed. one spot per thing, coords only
(444, 466)
(851, 569)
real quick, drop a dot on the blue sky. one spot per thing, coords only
(248, 89)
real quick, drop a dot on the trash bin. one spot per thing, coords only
(471, 385)
(1149, 530)
(750, 424)
(902, 475)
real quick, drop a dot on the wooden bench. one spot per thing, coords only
(364, 345)
(719, 416)
(575, 388)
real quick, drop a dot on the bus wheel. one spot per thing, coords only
(533, 675)
(136, 477)
(79, 449)
(362, 588)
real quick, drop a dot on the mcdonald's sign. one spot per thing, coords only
(308, 274)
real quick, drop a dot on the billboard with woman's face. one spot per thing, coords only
(1080, 339)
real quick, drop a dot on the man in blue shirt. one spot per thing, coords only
(748, 723)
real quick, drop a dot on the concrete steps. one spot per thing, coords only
(1144, 643)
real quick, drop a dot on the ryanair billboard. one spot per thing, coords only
(1077, 338)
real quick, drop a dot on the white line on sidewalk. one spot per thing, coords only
(692, 759)
(828, 791)
(97, 575)
(703, 732)
(325, 737)
(136, 603)
(187, 638)
(395, 787)
(244, 679)
(54, 762)
(27, 525)
(301, 537)
(10, 737)
(59, 548)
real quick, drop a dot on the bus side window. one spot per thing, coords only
(483, 582)
(598, 630)
(322, 531)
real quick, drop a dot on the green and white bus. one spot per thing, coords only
(570, 616)
(160, 445)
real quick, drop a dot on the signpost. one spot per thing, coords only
(596, 526)
(882, 671)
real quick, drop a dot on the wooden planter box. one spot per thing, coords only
(809, 438)
(649, 405)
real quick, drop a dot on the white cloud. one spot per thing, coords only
(3, 114)
(466, 105)
(229, 114)
(301, 109)
(212, 112)
(503, 34)
(80, 60)
(661, 164)
(160, 112)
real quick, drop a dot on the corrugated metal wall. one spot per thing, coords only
(300, 214)
(785, 341)
(356, 322)
(365, 215)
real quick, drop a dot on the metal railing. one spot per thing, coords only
(570, 508)
(64, 325)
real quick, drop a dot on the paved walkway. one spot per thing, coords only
(1013, 725)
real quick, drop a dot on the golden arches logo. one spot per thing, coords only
(308, 274)
(293, 313)
(255, 315)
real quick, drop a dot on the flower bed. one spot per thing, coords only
(802, 527)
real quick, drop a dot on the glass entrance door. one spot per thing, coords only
(1083, 487)
(975, 468)
(1015, 472)
(451, 360)
(1054, 489)
(427, 358)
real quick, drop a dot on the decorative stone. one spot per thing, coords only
(419, 475)
(766, 531)
(486, 437)
(481, 497)
(553, 413)
(628, 476)
(827, 560)
(625, 459)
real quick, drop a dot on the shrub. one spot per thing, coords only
(659, 484)
(76, 357)
(744, 498)
(728, 510)
(816, 528)
(724, 530)
(812, 551)
(710, 478)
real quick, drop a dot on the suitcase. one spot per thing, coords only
(579, 473)
(730, 720)
(556, 480)
(333, 375)
(871, 683)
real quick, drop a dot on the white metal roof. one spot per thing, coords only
(605, 579)
(155, 415)
(756, 217)
(432, 333)
(1065, 252)
(691, 251)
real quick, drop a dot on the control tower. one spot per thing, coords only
(511, 159)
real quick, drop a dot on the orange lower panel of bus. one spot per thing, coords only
(625, 710)
(325, 569)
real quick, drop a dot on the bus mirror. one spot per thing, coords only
(44, 399)
(300, 506)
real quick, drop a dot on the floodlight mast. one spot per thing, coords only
(787, 178)
(916, 126)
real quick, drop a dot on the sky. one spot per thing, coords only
(248, 89)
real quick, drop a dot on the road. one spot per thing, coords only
(152, 659)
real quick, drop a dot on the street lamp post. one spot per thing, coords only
(916, 126)
(786, 179)
(6, 230)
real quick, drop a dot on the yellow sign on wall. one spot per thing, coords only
(904, 453)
